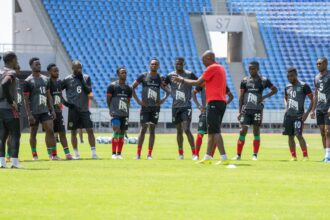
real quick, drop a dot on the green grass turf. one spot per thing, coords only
(165, 188)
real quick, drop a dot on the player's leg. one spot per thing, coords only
(81, 136)
(152, 129)
(179, 140)
(320, 120)
(59, 130)
(327, 143)
(64, 143)
(86, 122)
(74, 142)
(33, 140)
(115, 122)
(292, 147)
(13, 126)
(50, 139)
(201, 131)
(121, 135)
(256, 141)
(141, 136)
(241, 141)
(9, 147)
(298, 131)
(3, 137)
(186, 120)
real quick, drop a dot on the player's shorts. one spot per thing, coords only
(292, 125)
(120, 121)
(8, 114)
(78, 120)
(150, 117)
(41, 118)
(214, 114)
(58, 123)
(181, 114)
(251, 117)
(322, 118)
(202, 123)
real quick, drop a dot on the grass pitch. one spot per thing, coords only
(165, 188)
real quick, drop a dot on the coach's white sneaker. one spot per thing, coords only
(194, 157)
(120, 157)
(15, 164)
(180, 157)
(149, 157)
(137, 157)
(114, 156)
(3, 163)
(254, 157)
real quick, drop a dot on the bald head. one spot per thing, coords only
(208, 58)
(76, 67)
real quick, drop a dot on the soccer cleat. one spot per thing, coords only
(254, 157)
(68, 157)
(305, 159)
(114, 156)
(294, 159)
(95, 157)
(119, 157)
(54, 157)
(7, 159)
(180, 157)
(237, 157)
(149, 157)
(137, 157)
(76, 157)
(15, 164)
(194, 157)
(327, 160)
(35, 158)
(222, 162)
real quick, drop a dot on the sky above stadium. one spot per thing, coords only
(6, 22)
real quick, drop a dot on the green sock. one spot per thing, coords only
(33, 149)
(66, 151)
(257, 138)
(49, 150)
(241, 138)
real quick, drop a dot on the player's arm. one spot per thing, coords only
(273, 90)
(230, 96)
(194, 96)
(315, 98)
(167, 91)
(6, 82)
(26, 96)
(109, 95)
(50, 101)
(179, 79)
(241, 98)
(135, 84)
(86, 85)
(285, 99)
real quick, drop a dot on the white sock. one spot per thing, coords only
(3, 161)
(223, 157)
(207, 157)
(14, 162)
(327, 153)
(93, 149)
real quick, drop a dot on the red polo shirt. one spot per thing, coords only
(215, 83)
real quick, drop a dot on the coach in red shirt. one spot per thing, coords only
(214, 78)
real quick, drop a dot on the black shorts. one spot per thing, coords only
(251, 117)
(322, 118)
(41, 118)
(202, 123)
(78, 120)
(59, 123)
(181, 114)
(214, 114)
(120, 121)
(292, 125)
(149, 117)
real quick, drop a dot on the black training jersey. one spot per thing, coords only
(150, 89)
(13, 89)
(55, 87)
(74, 91)
(253, 90)
(120, 99)
(322, 84)
(201, 89)
(296, 95)
(37, 88)
(181, 93)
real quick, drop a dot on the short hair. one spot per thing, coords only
(254, 63)
(8, 57)
(324, 59)
(180, 59)
(50, 66)
(33, 59)
(119, 68)
(154, 58)
(293, 70)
